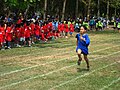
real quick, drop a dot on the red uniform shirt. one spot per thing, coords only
(1, 35)
(9, 34)
(42, 36)
(48, 35)
(59, 27)
(71, 28)
(32, 28)
(66, 28)
(2, 30)
(37, 30)
(19, 21)
(50, 26)
(62, 27)
(22, 32)
(27, 32)
(17, 32)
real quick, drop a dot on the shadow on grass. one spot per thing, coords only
(82, 70)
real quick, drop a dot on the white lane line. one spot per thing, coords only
(113, 82)
(51, 72)
(106, 48)
(32, 53)
(42, 57)
(36, 77)
(11, 72)
(58, 54)
(36, 53)
(86, 74)
(34, 66)
(45, 56)
(45, 51)
(26, 55)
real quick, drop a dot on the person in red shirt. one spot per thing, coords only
(27, 34)
(62, 29)
(59, 28)
(32, 26)
(58, 34)
(37, 31)
(71, 29)
(50, 26)
(2, 36)
(17, 34)
(48, 35)
(20, 20)
(43, 36)
(66, 30)
(22, 34)
(9, 33)
(45, 27)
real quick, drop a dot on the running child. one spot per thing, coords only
(83, 42)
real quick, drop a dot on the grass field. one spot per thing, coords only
(53, 65)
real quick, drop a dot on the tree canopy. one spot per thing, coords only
(82, 8)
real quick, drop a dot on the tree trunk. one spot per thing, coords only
(25, 13)
(76, 12)
(88, 13)
(63, 11)
(45, 10)
(108, 4)
(98, 7)
(115, 11)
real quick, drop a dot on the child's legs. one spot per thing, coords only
(28, 40)
(79, 54)
(8, 44)
(86, 59)
(0, 45)
(66, 33)
(119, 30)
(22, 40)
(63, 33)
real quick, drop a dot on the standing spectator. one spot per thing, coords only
(118, 26)
(37, 31)
(17, 35)
(22, 34)
(71, 29)
(27, 34)
(32, 26)
(2, 36)
(9, 35)
(66, 29)
(92, 22)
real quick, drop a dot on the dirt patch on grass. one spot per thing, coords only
(41, 60)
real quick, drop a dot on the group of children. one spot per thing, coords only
(117, 24)
(92, 24)
(27, 32)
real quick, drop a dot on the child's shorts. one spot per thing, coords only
(22, 39)
(27, 39)
(79, 51)
(71, 33)
(37, 37)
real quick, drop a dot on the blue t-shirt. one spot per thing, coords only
(83, 45)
